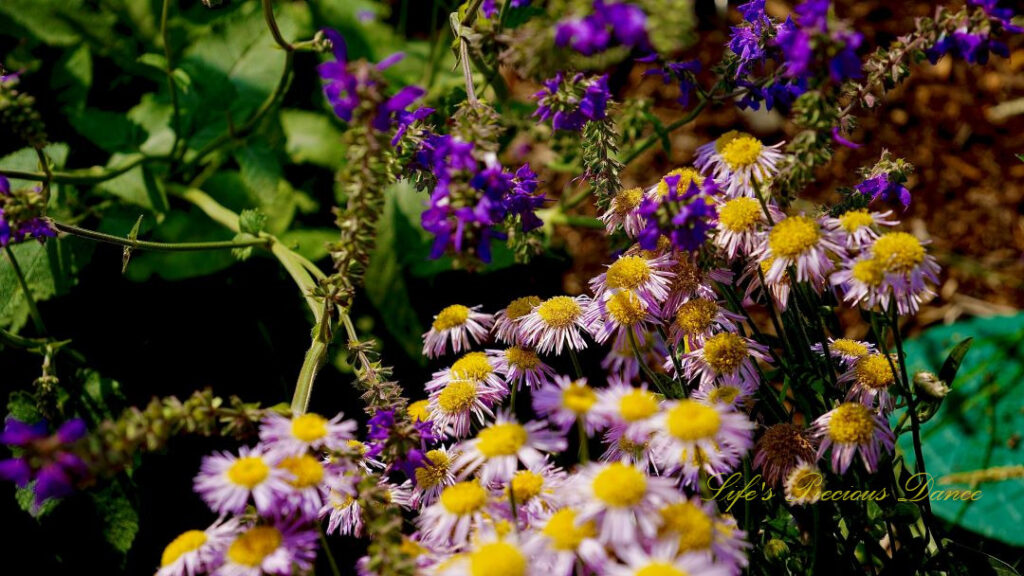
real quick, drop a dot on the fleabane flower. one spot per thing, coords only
(739, 162)
(693, 436)
(495, 453)
(664, 559)
(802, 243)
(698, 319)
(278, 548)
(226, 482)
(458, 324)
(557, 323)
(306, 476)
(733, 396)
(804, 484)
(741, 222)
(726, 357)
(623, 212)
(305, 432)
(432, 477)
(196, 552)
(849, 429)
(780, 449)
(563, 401)
(697, 528)
(460, 508)
(647, 278)
(629, 411)
(623, 314)
(846, 350)
(909, 272)
(520, 366)
(869, 379)
(535, 492)
(690, 281)
(754, 276)
(621, 500)
(859, 227)
(454, 404)
(563, 540)
(495, 555)
(507, 321)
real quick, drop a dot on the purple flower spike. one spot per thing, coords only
(881, 187)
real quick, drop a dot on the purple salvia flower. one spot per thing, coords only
(881, 187)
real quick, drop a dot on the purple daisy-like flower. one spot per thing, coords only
(195, 552)
(226, 482)
(278, 548)
(853, 428)
(304, 432)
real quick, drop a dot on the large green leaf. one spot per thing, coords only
(973, 429)
(312, 138)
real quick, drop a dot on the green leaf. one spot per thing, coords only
(385, 282)
(155, 117)
(952, 364)
(111, 131)
(311, 243)
(977, 417)
(56, 22)
(313, 138)
(268, 190)
(119, 519)
(72, 77)
(21, 405)
(138, 187)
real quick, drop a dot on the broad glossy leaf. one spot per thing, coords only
(313, 138)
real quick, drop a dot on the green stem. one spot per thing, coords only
(268, 15)
(327, 551)
(160, 246)
(172, 86)
(643, 364)
(671, 127)
(33, 310)
(84, 176)
(311, 364)
(584, 440)
(44, 163)
(575, 363)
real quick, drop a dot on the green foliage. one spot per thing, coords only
(978, 421)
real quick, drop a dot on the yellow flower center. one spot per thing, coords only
(686, 176)
(851, 423)
(694, 527)
(561, 528)
(248, 472)
(741, 151)
(306, 470)
(626, 308)
(637, 404)
(687, 276)
(695, 316)
(357, 447)
(627, 200)
(497, 559)
(251, 548)
(450, 317)
(522, 358)
(724, 352)
(419, 411)
(578, 397)
(793, 236)
(526, 485)
(740, 214)
(724, 395)
(560, 311)
(457, 397)
(855, 220)
(628, 272)
(501, 439)
(433, 473)
(309, 427)
(868, 271)
(659, 569)
(848, 347)
(411, 548)
(472, 366)
(620, 485)
(724, 139)
(463, 498)
(521, 307)
(898, 252)
(183, 544)
(874, 371)
(690, 420)
(805, 483)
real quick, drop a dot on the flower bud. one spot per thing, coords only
(930, 384)
(776, 549)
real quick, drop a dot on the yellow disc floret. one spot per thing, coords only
(578, 397)
(848, 347)
(497, 559)
(419, 411)
(251, 548)
(628, 273)
(693, 526)
(457, 397)
(503, 439)
(521, 358)
(309, 427)
(723, 395)
(637, 404)
(626, 308)
(560, 311)
(627, 200)
(620, 485)
(659, 569)
(563, 531)
(472, 366)
(851, 423)
(306, 470)
(793, 236)
(249, 472)
(686, 177)
(740, 214)
(526, 485)
(434, 471)
(898, 252)
(741, 151)
(464, 498)
(874, 371)
(183, 544)
(695, 316)
(450, 317)
(725, 352)
(521, 307)
(690, 420)
(870, 272)
(854, 220)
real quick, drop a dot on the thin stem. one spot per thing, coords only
(327, 550)
(268, 15)
(33, 310)
(85, 176)
(160, 246)
(643, 363)
(311, 364)
(172, 86)
(44, 163)
(584, 440)
(575, 363)
(671, 127)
